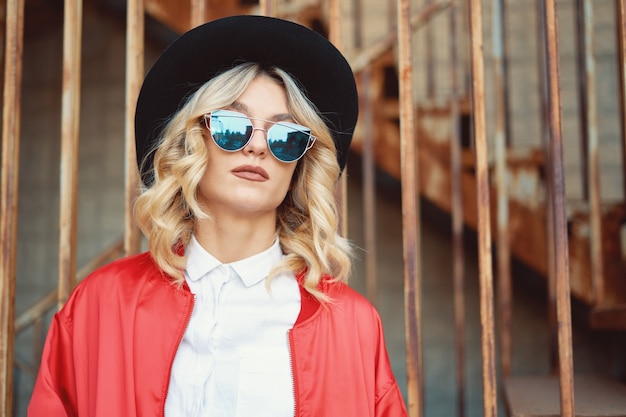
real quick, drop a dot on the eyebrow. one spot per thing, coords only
(241, 107)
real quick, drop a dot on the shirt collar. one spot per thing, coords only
(251, 270)
(199, 261)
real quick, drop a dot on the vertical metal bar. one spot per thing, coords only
(593, 163)
(484, 227)
(369, 192)
(3, 27)
(368, 168)
(503, 241)
(134, 77)
(505, 76)
(457, 216)
(267, 7)
(621, 38)
(583, 98)
(430, 58)
(566, 365)
(70, 117)
(466, 63)
(410, 215)
(198, 12)
(11, 116)
(341, 191)
(542, 65)
(543, 77)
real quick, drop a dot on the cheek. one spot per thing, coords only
(209, 181)
(289, 178)
(204, 187)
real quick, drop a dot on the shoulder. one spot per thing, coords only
(348, 301)
(340, 291)
(116, 291)
(350, 314)
(141, 261)
(122, 277)
(125, 271)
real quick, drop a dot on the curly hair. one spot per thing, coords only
(307, 219)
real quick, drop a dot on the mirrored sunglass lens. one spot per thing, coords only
(230, 133)
(287, 143)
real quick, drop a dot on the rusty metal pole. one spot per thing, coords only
(621, 69)
(482, 197)
(556, 177)
(134, 78)
(466, 60)
(549, 209)
(369, 192)
(410, 215)
(341, 191)
(505, 296)
(593, 162)
(583, 98)
(198, 12)
(70, 117)
(430, 58)
(368, 167)
(457, 215)
(3, 27)
(505, 76)
(267, 7)
(11, 116)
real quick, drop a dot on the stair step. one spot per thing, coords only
(538, 396)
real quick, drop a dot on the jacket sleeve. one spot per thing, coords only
(391, 403)
(54, 394)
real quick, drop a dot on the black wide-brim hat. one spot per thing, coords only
(212, 48)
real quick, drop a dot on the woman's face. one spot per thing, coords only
(251, 181)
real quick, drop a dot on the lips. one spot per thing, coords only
(251, 172)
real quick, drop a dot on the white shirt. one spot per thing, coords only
(234, 358)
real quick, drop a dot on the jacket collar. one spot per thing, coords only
(309, 305)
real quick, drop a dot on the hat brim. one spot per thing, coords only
(207, 50)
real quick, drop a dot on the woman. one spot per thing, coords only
(240, 308)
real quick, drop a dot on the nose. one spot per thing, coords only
(257, 143)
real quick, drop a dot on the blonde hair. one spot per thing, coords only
(307, 219)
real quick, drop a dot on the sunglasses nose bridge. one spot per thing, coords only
(260, 146)
(254, 129)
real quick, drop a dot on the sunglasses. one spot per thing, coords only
(232, 131)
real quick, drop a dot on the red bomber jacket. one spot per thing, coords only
(110, 349)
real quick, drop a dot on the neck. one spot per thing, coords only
(232, 239)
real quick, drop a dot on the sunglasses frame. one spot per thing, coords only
(235, 114)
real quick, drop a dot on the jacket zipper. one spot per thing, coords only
(293, 373)
(180, 339)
